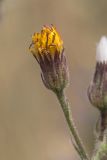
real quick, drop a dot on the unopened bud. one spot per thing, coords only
(97, 91)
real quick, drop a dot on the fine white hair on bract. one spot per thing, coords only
(101, 51)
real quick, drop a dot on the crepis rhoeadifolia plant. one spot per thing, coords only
(47, 47)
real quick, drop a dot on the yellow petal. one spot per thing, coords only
(48, 40)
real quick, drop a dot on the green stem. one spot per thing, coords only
(100, 150)
(66, 109)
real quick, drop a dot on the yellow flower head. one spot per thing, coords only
(48, 41)
(47, 48)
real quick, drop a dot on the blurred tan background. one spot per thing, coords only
(32, 125)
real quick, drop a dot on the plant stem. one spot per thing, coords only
(100, 150)
(66, 109)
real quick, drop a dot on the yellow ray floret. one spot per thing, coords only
(47, 41)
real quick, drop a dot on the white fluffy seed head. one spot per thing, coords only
(101, 51)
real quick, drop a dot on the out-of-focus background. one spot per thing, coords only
(32, 125)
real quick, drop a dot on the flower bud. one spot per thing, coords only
(97, 91)
(47, 48)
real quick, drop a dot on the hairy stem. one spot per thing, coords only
(100, 150)
(66, 109)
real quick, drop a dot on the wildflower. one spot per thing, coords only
(97, 91)
(47, 48)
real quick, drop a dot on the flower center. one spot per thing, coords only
(47, 41)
